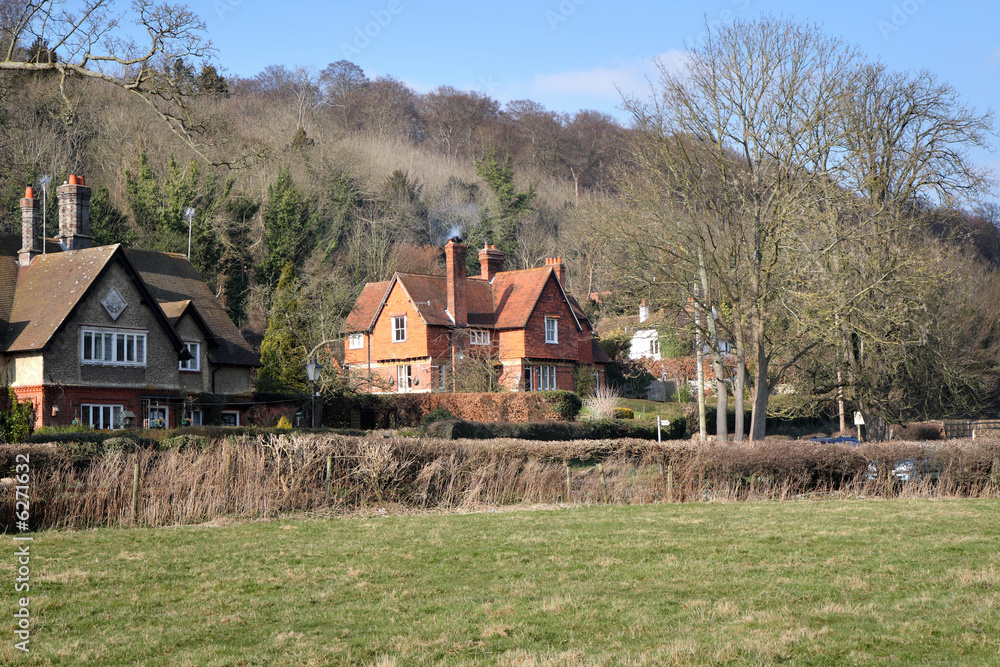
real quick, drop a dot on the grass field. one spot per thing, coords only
(798, 583)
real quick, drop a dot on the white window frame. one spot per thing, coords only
(546, 378)
(231, 412)
(479, 337)
(194, 363)
(114, 411)
(404, 377)
(157, 407)
(109, 344)
(399, 328)
(356, 341)
(654, 346)
(195, 417)
(552, 330)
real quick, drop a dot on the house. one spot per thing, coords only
(109, 337)
(518, 329)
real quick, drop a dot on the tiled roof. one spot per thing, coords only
(48, 291)
(506, 303)
(36, 300)
(171, 278)
(362, 316)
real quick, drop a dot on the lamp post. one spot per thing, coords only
(189, 214)
(312, 372)
(44, 182)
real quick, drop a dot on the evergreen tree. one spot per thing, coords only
(287, 220)
(282, 352)
(509, 206)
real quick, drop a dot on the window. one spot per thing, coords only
(230, 418)
(158, 416)
(110, 347)
(404, 378)
(442, 377)
(356, 341)
(654, 346)
(194, 417)
(479, 337)
(546, 378)
(540, 378)
(551, 330)
(194, 363)
(399, 329)
(101, 417)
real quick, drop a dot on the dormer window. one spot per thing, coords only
(194, 363)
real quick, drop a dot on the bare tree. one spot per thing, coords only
(85, 41)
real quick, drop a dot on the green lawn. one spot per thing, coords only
(797, 583)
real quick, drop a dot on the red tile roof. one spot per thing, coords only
(506, 303)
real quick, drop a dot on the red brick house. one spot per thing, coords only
(108, 336)
(411, 332)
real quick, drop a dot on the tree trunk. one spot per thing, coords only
(739, 387)
(722, 399)
(761, 393)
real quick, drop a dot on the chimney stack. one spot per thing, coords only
(560, 269)
(74, 214)
(490, 261)
(643, 311)
(29, 228)
(454, 253)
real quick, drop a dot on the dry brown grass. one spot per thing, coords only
(260, 476)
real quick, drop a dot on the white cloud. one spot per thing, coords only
(630, 77)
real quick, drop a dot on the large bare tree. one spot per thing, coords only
(86, 40)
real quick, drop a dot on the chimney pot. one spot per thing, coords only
(74, 214)
(490, 262)
(29, 193)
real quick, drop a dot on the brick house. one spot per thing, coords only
(415, 332)
(111, 337)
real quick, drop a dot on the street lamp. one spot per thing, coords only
(189, 214)
(312, 372)
(44, 182)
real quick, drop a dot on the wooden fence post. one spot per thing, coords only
(135, 488)
(604, 482)
(227, 472)
(670, 482)
(329, 477)
(569, 483)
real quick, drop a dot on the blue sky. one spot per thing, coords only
(571, 54)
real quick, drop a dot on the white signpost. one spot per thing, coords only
(859, 421)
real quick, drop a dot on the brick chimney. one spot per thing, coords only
(74, 214)
(490, 261)
(557, 265)
(30, 245)
(454, 253)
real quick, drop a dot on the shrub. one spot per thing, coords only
(623, 413)
(566, 403)
(284, 423)
(436, 415)
(603, 403)
(600, 429)
(16, 419)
